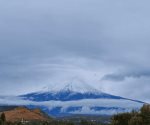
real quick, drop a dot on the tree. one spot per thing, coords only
(145, 114)
(84, 122)
(136, 120)
(2, 119)
(121, 119)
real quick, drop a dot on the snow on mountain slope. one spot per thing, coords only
(79, 87)
(74, 86)
(71, 91)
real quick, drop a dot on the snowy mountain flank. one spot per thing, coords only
(78, 98)
(69, 92)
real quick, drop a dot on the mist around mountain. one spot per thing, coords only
(73, 98)
(78, 98)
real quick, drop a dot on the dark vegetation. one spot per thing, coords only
(141, 117)
(2, 119)
(134, 118)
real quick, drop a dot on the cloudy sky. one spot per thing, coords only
(105, 43)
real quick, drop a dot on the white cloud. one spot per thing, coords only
(86, 104)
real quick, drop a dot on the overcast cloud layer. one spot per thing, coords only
(105, 43)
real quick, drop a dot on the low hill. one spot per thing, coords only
(23, 113)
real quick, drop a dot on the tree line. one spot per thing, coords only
(141, 117)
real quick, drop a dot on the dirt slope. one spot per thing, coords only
(20, 113)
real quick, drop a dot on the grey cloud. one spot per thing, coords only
(42, 42)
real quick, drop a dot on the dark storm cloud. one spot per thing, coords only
(120, 76)
(43, 42)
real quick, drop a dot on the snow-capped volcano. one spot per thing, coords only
(78, 98)
(70, 91)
